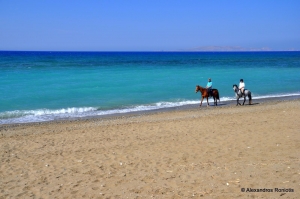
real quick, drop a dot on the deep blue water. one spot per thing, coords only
(42, 86)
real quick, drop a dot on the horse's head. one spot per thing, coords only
(235, 87)
(197, 89)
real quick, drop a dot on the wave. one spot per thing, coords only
(42, 115)
(26, 116)
(277, 95)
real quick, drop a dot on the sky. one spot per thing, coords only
(149, 25)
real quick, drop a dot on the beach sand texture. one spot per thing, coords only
(200, 153)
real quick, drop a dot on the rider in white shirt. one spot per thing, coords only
(242, 86)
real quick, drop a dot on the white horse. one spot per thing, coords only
(239, 94)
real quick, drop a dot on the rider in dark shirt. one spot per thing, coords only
(209, 86)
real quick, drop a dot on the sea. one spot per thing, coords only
(47, 86)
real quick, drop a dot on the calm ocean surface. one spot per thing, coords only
(44, 86)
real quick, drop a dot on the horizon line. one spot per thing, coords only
(149, 50)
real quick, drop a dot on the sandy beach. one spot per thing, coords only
(210, 152)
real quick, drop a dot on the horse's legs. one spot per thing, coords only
(244, 100)
(201, 101)
(215, 101)
(207, 102)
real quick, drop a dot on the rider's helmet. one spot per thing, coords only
(209, 79)
(241, 80)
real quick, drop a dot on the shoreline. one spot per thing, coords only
(184, 153)
(160, 110)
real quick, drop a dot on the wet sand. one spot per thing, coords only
(183, 153)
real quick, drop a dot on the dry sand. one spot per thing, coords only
(208, 152)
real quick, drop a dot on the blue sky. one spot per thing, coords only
(148, 25)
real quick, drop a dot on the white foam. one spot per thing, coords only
(277, 95)
(27, 116)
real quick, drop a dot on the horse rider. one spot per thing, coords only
(242, 86)
(209, 86)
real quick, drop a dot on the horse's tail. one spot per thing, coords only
(218, 97)
(250, 97)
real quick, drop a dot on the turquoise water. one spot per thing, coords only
(43, 86)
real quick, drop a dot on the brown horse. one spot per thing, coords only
(205, 94)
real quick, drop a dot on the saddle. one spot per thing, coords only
(243, 93)
(210, 92)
